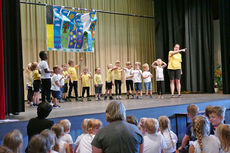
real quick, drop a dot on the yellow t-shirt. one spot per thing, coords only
(117, 74)
(65, 74)
(174, 62)
(109, 76)
(73, 73)
(97, 79)
(29, 78)
(36, 75)
(85, 80)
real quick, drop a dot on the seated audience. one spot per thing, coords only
(131, 119)
(39, 144)
(50, 136)
(4, 149)
(216, 116)
(141, 125)
(67, 137)
(93, 127)
(223, 133)
(118, 135)
(154, 142)
(204, 142)
(13, 140)
(208, 111)
(169, 136)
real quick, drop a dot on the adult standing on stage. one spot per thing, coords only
(175, 69)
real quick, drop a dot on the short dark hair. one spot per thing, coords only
(42, 54)
(131, 119)
(44, 110)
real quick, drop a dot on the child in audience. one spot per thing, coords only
(137, 75)
(98, 83)
(204, 142)
(61, 79)
(4, 149)
(217, 116)
(65, 87)
(85, 82)
(223, 133)
(45, 77)
(55, 87)
(50, 137)
(192, 111)
(153, 141)
(36, 83)
(109, 82)
(129, 79)
(208, 111)
(39, 144)
(67, 137)
(159, 66)
(147, 80)
(93, 127)
(29, 84)
(169, 136)
(60, 145)
(13, 140)
(131, 119)
(84, 125)
(72, 70)
(117, 78)
(141, 125)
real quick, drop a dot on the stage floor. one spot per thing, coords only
(82, 108)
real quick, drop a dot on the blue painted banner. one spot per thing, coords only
(72, 31)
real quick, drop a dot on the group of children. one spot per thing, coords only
(62, 80)
(210, 134)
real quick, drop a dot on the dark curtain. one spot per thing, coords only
(188, 23)
(224, 15)
(14, 90)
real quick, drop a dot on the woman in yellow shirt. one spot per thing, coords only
(174, 68)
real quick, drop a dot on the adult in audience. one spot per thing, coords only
(13, 140)
(118, 135)
(39, 144)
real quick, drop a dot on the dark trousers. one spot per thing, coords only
(46, 85)
(30, 94)
(118, 87)
(71, 86)
(83, 91)
(160, 87)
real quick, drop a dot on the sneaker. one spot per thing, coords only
(146, 97)
(99, 99)
(179, 96)
(172, 96)
(96, 98)
(110, 98)
(56, 106)
(81, 99)
(141, 97)
(68, 99)
(51, 104)
(105, 98)
(88, 99)
(117, 97)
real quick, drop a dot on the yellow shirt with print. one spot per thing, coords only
(36, 75)
(97, 79)
(65, 74)
(109, 76)
(85, 80)
(73, 73)
(117, 74)
(174, 61)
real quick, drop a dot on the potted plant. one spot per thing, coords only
(218, 79)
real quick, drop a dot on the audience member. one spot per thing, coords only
(13, 140)
(50, 136)
(223, 133)
(131, 119)
(216, 116)
(39, 144)
(67, 137)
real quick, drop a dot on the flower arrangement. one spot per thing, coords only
(218, 77)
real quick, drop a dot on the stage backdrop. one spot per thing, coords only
(70, 31)
(117, 37)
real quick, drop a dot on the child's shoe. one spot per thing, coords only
(110, 98)
(119, 97)
(141, 97)
(88, 99)
(105, 98)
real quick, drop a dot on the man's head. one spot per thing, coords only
(44, 110)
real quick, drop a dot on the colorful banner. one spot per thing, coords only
(70, 31)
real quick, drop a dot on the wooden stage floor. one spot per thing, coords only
(93, 107)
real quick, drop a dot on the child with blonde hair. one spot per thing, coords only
(223, 133)
(153, 141)
(216, 116)
(29, 84)
(85, 82)
(13, 140)
(67, 137)
(131, 119)
(109, 82)
(65, 87)
(204, 142)
(60, 145)
(117, 73)
(98, 83)
(159, 66)
(137, 79)
(147, 80)
(141, 125)
(129, 79)
(84, 125)
(169, 136)
(56, 86)
(50, 137)
(73, 79)
(93, 127)
(36, 83)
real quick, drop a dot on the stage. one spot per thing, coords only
(94, 107)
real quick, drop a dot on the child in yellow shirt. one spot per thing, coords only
(65, 87)
(36, 83)
(29, 84)
(98, 83)
(109, 82)
(72, 70)
(117, 78)
(85, 82)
